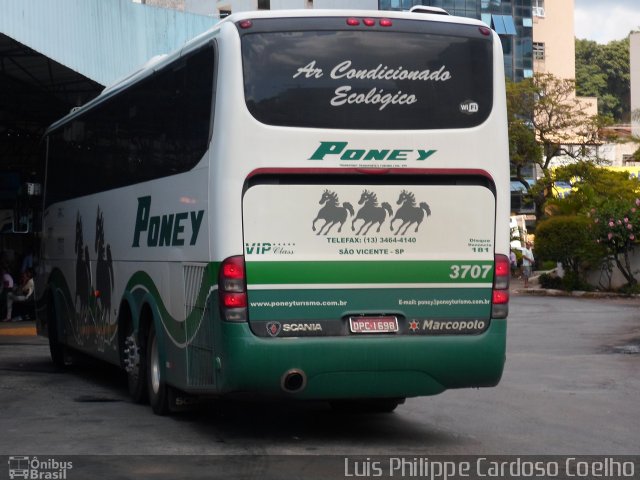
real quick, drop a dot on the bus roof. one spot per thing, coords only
(406, 15)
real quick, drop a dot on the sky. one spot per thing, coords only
(606, 20)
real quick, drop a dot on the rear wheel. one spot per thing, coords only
(134, 362)
(372, 405)
(156, 387)
(56, 348)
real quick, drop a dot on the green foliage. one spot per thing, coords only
(523, 148)
(518, 256)
(570, 282)
(547, 280)
(609, 200)
(547, 265)
(567, 239)
(573, 281)
(592, 187)
(630, 289)
(603, 71)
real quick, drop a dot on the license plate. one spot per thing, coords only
(386, 324)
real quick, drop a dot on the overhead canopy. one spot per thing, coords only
(34, 92)
(58, 54)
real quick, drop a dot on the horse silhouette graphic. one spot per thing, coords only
(93, 300)
(83, 269)
(331, 213)
(370, 213)
(409, 213)
(104, 271)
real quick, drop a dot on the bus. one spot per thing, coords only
(302, 204)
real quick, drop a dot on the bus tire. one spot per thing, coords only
(134, 362)
(372, 405)
(158, 390)
(56, 348)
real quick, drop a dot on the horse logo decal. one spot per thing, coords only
(83, 276)
(409, 213)
(331, 213)
(104, 272)
(83, 268)
(370, 213)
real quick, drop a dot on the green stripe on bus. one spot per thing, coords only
(141, 284)
(374, 271)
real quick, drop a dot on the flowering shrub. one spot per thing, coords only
(617, 229)
(566, 239)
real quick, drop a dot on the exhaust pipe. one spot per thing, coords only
(293, 381)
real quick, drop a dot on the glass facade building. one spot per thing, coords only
(511, 19)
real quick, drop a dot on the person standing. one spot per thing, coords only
(527, 263)
(5, 287)
(23, 293)
(513, 260)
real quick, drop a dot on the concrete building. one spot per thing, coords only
(222, 8)
(554, 38)
(554, 44)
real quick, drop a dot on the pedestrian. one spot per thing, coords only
(22, 294)
(527, 263)
(6, 286)
(7, 279)
(513, 260)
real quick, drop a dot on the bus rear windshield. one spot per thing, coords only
(361, 79)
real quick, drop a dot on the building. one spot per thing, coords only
(554, 44)
(554, 38)
(511, 19)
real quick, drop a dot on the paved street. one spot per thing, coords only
(571, 386)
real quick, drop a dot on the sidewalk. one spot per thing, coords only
(516, 287)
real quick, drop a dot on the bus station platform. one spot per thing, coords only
(18, 329)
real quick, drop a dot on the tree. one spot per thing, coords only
(559, 123)
(591, 187)
(603, 71)
(609, 200)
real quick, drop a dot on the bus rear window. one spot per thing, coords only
(368, 79)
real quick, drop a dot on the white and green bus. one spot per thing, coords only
(299, 204)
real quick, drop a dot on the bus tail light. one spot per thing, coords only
(500, 295)
(232, 289)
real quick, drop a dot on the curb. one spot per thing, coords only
(542, 292)
(18, 329)
(18, 332)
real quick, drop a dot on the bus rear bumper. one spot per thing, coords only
(358, 367)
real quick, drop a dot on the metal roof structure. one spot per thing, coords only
(59, 54)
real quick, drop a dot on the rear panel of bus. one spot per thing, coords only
(369, 228)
